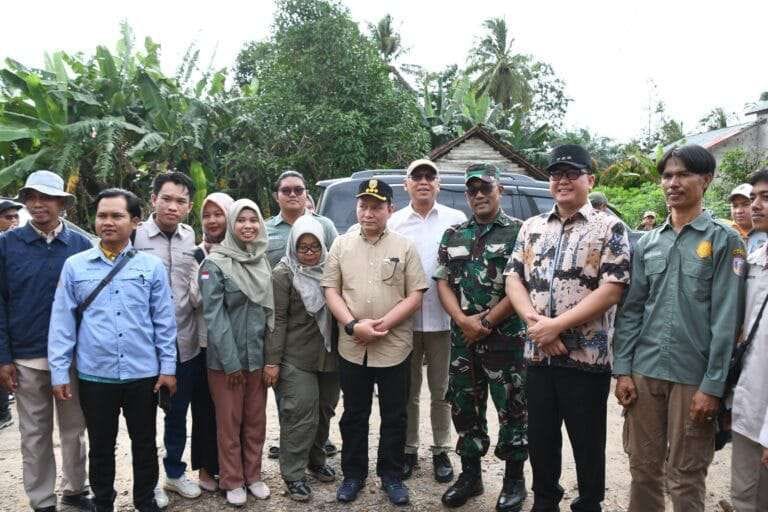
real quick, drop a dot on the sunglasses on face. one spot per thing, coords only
(311, 248)
(418, 176)
(486, 188)
(570, 173)
(297, 191)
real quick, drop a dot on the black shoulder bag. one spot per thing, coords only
(104, 282)
(734, 372)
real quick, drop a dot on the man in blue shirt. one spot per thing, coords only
(31, 258)
(125, 346)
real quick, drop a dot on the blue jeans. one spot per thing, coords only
(191, 388)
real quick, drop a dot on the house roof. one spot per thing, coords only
(486, 136)
(760, 106)
(713, 138)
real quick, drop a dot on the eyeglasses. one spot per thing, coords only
(306, 249)
(418, 176)
(570, 173)
(484, 187)
(297, 191)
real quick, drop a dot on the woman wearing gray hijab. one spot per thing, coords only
(236, 289)
(301, 358)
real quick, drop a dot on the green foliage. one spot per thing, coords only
(632, 171)
(735, 167)
(324, 105)
(110, 119)
(632, 202)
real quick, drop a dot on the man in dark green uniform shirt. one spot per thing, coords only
(674, 337)
(486, 341)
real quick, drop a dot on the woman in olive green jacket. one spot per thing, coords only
(301, 358)
(236, 288)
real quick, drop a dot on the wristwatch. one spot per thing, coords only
(485, 323)
(350, 327)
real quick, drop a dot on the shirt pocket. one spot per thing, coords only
(696, 278)
(392, 271)
(654, 270)
(458, 256)
(134, 284)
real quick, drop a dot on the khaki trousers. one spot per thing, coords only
(749, 478)
(35, 405)
(436, 348)
(662, 441)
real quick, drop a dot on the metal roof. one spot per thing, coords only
(714, 137)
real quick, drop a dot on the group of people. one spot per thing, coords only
(538, 315)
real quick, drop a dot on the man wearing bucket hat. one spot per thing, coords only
(31, 258)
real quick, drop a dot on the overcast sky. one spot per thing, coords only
(700, 54)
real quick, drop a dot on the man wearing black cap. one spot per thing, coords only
(373, 284)
(567, 273)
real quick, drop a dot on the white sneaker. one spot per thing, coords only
(183, 486)
(160, 497)
(259, 489)
(237, 497)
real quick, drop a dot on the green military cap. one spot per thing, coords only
(486, 172)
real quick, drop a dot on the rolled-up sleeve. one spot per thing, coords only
(62, 330)
(163, 320)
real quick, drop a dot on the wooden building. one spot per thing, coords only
(478, 145)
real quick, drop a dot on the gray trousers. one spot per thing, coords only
(307, 404)
(749, 478)
(35, 404)
(435, 347)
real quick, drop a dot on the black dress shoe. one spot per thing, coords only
(512, 496)
(274, 452)
(52, 508)
(411, 463)
(80, 501)
(442, 468)
(467, 486)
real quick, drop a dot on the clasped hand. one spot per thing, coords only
(545, 332)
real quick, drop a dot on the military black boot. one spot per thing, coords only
(513, 491)
(468, 485)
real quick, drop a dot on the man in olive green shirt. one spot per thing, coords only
(674, 337)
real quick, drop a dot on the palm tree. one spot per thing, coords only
(388, 43)
(504, 75)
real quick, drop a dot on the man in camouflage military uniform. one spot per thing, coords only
(486, 341)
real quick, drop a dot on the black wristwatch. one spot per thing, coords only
(350, 327)
(485, 323)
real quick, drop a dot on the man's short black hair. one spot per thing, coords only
(178, 178)
(757, 176)
(695, 159)
(290, 173)
(132, 202)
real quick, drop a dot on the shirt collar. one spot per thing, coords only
(381, 236)
(585, 211)
(98, 253)
(700, 223)
(153, 229)
(48, 237)
(501, 219)
(279, 217)
(435, 209)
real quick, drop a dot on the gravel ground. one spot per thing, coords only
(425, 492)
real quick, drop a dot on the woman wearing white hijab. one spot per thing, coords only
(301, 358)
(236, 288)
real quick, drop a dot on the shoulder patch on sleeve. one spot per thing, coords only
(739, 261)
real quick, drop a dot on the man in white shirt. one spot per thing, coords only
(424, 221)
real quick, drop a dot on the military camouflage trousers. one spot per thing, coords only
(474, 373)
